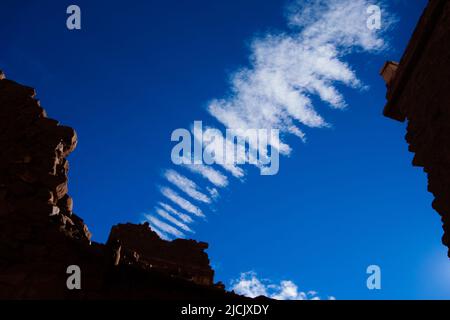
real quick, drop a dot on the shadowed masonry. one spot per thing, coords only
(418, 92)
(41, 236)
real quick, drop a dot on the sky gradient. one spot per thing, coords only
(346, 198)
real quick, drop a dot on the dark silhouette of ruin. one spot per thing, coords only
(40, 235)
(418, 91)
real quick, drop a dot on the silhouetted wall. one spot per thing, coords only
(40, 236)
(419, 93)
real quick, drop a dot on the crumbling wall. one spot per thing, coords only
(33, 164)
(40, 236)
(182, 258)
(420, 94)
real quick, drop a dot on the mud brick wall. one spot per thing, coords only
(180, 257)
(40, 236)
(420, 95)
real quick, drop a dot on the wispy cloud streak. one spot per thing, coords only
(166, 228)
(288, 68)
(160, 233)
(214, 176)
(171, 219)
(182, 216)
(181, 202)
(186, 185)
(289, 76)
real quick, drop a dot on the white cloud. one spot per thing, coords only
(340, 22)
(218, 144)
(171, 219)
(181, 202)
(251, 286)
(186, 185)
(168, 229)
(213, 192)
(287, 290)
(160, 233)
(287, 69)
(179, 214)
(214, 176)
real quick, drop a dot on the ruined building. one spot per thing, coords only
(184, 258)
(41, 236)
(418, 91)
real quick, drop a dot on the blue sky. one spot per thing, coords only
(345, 199)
